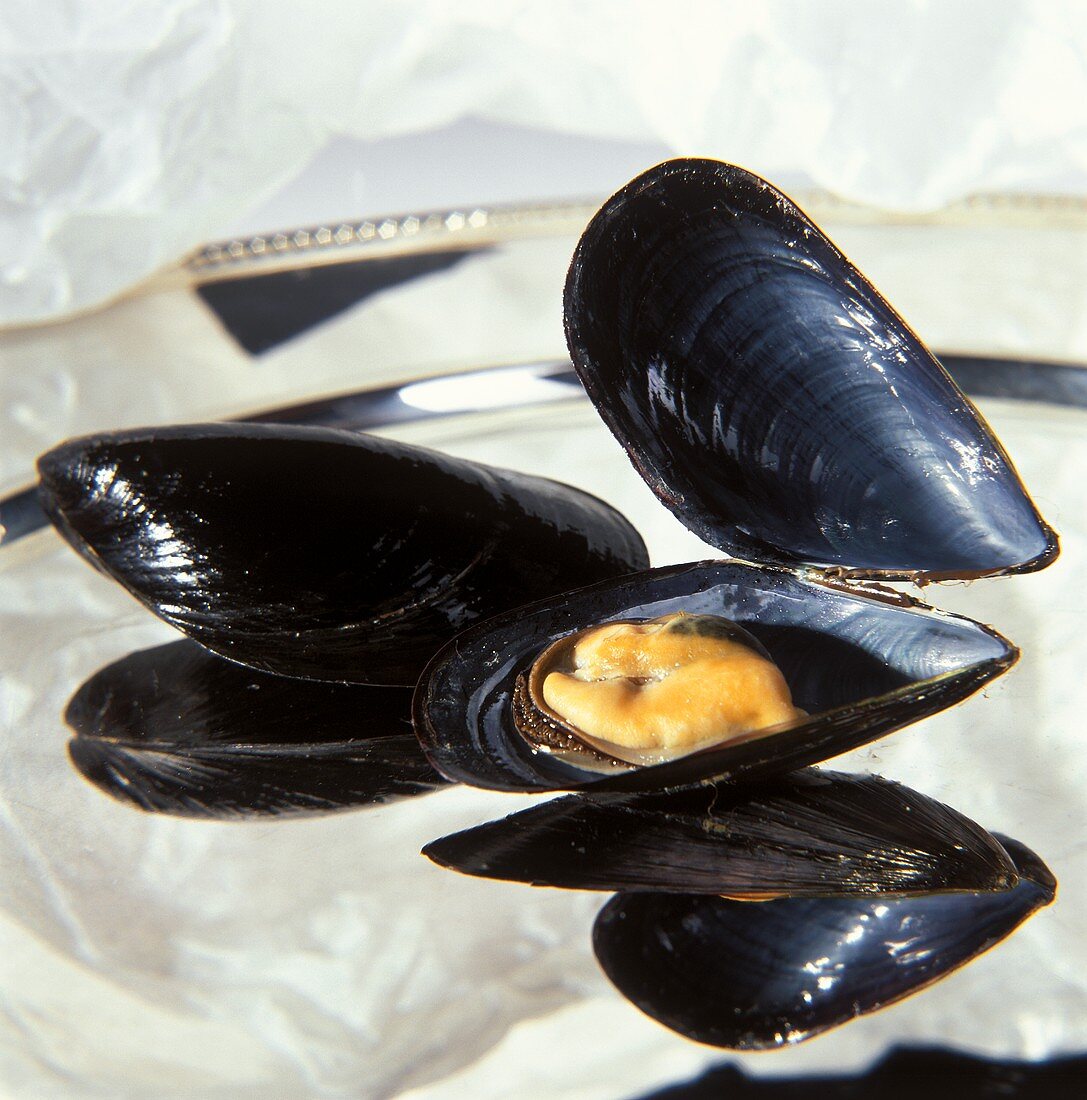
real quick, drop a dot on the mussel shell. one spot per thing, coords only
(759, 976)
(860, 665)
(323, 554)
(772, 399)
(810, 834)
(178, 730)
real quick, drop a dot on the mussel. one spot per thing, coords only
(323, 554)
(810, 834)
(782, 410)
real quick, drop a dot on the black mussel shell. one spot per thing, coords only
(772, 399)
(860, 665)
(809, 834)
(177, 730)
(323, 554)
(752, 976)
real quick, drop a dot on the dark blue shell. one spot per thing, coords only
(755, 976)
(770, 396)
(809, 834)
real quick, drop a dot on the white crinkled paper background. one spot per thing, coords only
(150, 956)
(133, 130)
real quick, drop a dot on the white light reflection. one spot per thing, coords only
(492, 389)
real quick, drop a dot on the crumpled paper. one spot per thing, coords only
(133, 130)
(152, 956)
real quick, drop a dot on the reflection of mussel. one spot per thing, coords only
(322, 554)
(810, 834)
(780, 408)
(756, 976)
(176, 729)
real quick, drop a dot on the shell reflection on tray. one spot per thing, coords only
(176, 729)
(780, 408)
(720, 973)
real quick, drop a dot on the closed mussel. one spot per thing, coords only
(809, 834)
(323, 554)
(179, 730)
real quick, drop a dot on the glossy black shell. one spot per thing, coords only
(809, 834)
(772, 399)
(318, 553)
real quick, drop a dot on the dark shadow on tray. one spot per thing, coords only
(264, 311)
(903, 1074)
(178, 730)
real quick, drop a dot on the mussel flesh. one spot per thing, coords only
(646, 691)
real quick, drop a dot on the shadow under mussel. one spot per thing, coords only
(176, 729)
(898, 1075)
(758, 915)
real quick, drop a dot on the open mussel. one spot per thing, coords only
(774, 401)
(859, 665)
(176, 729)
(761, 976)
(809, 834)
(323, 554)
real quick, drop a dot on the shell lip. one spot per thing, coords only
(462, 708)
(1007, 534)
